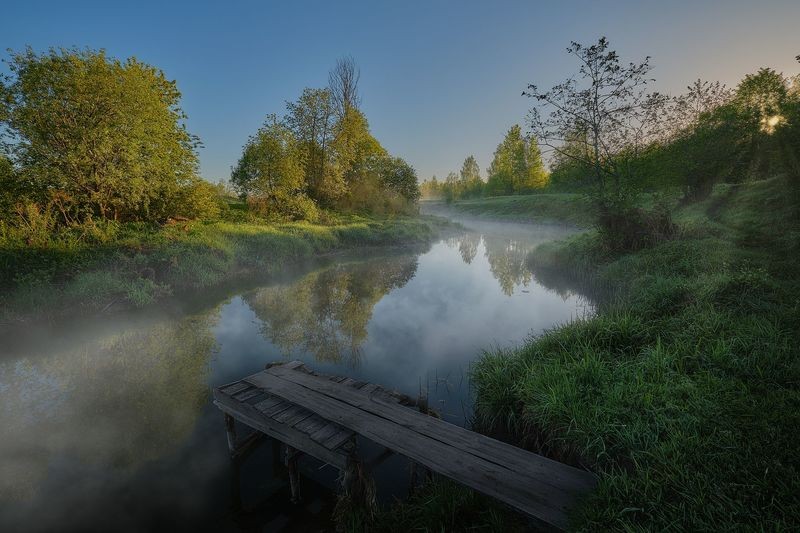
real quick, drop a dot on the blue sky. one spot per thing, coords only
(440, 80)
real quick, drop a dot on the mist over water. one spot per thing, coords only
(107, 421)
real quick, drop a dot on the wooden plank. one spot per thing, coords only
(311, 424)
(292, 415)
(277, 408)
(267, 403)
(558, 475)
(325, 432)
(248, 415)
(247, 394)
(338, 438)
(369, 387)
(537, 496)
(258, 398)
(236, 387)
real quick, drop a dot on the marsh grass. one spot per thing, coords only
(682, 392)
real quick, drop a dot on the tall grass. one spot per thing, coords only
(682, 393)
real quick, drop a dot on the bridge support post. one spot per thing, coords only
(292, 455)
(230, 429)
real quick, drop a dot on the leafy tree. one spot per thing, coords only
(509, 167)
(471, 182)
(354, 149)
(401, 178)
(450, 187)
(311, 120)
(270, 173)
(99, 136)
(431, 188)
(536, 176)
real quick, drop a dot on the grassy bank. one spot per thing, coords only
(566, 208)
(682, 393)
(93, 268)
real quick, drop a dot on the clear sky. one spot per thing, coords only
(439, 80)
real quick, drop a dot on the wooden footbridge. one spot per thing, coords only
(322, 415)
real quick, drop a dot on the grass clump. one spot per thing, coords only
(682, 392)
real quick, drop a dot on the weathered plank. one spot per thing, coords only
(236, 387)
(247, 394)
(269, 402)
(558, 475)
(325, 432)
(338, 438)
(250, 416)
(544, 490)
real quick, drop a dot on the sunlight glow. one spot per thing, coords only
(770, 124)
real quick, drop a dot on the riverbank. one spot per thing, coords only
(135, 265)
(546, 208)
(682, 393)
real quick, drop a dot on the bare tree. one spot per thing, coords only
(599, 117)
(343, 84)
(701, 98)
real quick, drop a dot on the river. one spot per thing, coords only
(107, 422)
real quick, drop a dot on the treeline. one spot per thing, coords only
(321, 154)
(607, 135)
(707, 135)
(516, 168)
(88, 141)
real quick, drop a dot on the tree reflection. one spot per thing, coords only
(506, 257)
(507, 262)
(326, 312)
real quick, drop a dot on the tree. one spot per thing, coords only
(353, 148)
(311, 120)
(471, 182)
(536, 176)
(343, 85)
(607, 108)
(98, 136)
(399, 177)
(450, 187)
(270, 174)
(431, 188)
(509, 168)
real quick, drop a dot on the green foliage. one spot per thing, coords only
(321, 155)
(96, 136)
(681, 393)
(517, 166)
(270, 174)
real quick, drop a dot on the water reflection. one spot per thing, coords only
(326, 312)
(107, 422)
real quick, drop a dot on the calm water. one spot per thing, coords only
(106, 421)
